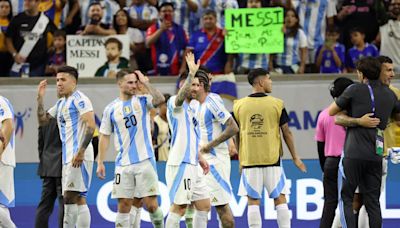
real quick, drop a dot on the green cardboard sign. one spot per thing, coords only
(254, 31)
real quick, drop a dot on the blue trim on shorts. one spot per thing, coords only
(220, 180)
(85, 176)
(278, 189)
(341, 176)
(4, 200)
(250, 191)
(177, 181)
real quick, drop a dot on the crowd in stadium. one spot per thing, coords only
(320, 36)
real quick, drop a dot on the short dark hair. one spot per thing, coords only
(205, 69)
(121, 74)
(384, 59)
(60, 32)
(370, 67)
(95, 3)
(333, 29)
(357, 29)
(166, 4)
(69, 70)
(339, 85)
(255, 73)
(166, 96)
(210, 12)
(113, 40)
(203, 78)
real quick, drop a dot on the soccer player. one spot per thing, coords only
(216, 126)
(184, 181)
(7, 162)
(362, 162)
(75, 120)
(128, 117)
(330, 140)
(261, 118)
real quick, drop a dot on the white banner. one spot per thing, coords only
(88, 53)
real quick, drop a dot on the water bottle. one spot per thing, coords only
(25, 70)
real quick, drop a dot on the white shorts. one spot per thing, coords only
(77, 179)
(218, 180)
(136, 180)
(7, 194)
(185, 183)
(253, 181)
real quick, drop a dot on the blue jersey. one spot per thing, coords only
(353, 54)
(185, 135)
(328, 64)
(143, 12)
(109, 9)
(252, 61)
(68, 112)
(130, 122)
(209, 49)
(7, 112)
(212, 117)
(182, 13)
(219, 6)
(291, 52)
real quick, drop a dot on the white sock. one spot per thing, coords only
(5, 219)
(336, 221)
(254, 216)
(136, 216)
(363, 220)
(70, 215)
(83, 220)
(200, 219)
(283, 215)
(157, 218)
(122, 220)
(172, 220)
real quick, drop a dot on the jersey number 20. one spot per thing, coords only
(130, 121)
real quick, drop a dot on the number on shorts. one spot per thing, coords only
(187, 184)
(117, 178)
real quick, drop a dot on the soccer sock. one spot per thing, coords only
(200, 219)
(189, 217)
(5, 219)
(254, 216)
(172, 220)
(70, 215)
(283, 215)
(336, 220)
(122, 220)
(157, 218)
(135, 216)
(83, 220)
(363, 220)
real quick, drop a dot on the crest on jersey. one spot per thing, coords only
(127, 110)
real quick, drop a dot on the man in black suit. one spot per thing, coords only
(49, 171)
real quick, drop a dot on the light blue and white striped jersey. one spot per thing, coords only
(7, 112)
(219, 6)
(252, 61)
(130, 122)
(182, 13)
(109, 9)
(68, 112)
(291, 51)
(185, 133)
(143, 12)
(17, 7)
(313, 14)
(212, 117)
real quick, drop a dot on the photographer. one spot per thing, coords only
(95, 27)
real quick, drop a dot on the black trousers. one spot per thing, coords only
(330, 183)
(368, 176)
(51, 190)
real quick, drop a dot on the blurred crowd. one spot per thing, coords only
(320, 36)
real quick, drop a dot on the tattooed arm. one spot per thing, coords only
(89, 127)
(366, 120)
(158, 97)
(42, 115)
(230, 130)
(184, 91)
